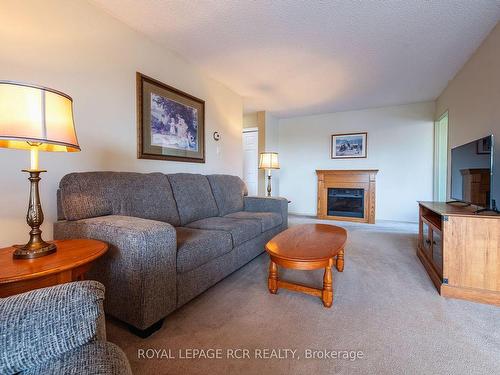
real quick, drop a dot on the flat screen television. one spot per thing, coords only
(472, 173)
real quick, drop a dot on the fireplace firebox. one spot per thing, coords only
(346, 202)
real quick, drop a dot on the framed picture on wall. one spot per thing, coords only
(170, 123)
(348, 146)
(483, 146)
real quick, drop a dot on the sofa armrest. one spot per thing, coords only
(268, 204)
(43, 324)
(94, 358)
(139, 269)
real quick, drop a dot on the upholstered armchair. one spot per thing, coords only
(58, 330)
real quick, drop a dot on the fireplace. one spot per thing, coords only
(347, 195)
(346, 202)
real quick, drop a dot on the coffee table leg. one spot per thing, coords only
(272, 281)
(327, 295)
(340, 261)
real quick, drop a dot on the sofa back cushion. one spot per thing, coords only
(194, 197)
(92, 194)
(228, 192)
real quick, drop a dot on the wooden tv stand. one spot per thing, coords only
(460, 251)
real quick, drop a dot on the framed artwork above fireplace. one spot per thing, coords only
(349, 146)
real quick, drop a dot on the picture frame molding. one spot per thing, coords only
(141, 154)
(348, 157)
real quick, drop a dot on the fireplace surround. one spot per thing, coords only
(347, 195)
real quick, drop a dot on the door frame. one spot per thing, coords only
(441, 157)
(254, 130)
(249, 130)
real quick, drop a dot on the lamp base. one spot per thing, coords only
(269, 184)
(36, 246)
(34, 250)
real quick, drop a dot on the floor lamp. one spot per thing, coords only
(37, 119)
(268, 161)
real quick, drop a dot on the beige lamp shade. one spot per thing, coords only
(36, 115)
(269, 160)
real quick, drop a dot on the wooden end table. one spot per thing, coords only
(307, 247)
(70, 262)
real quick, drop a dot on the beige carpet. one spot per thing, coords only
(385, 306)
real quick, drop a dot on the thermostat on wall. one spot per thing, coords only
(216, 136)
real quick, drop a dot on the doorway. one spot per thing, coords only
(441, 158)
(251, 159)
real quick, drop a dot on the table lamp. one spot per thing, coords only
(269, 160)
(37, 119)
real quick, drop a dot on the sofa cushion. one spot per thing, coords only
(196, 247)
(268, 220)
(241, 230)
(228, 192)
(85, 195)
(93, 194)
(194, 197)
(149, 196)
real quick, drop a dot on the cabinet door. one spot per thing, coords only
(427, 239)
(437, 250)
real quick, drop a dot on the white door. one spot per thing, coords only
(251, 160)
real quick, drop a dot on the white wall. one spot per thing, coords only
(400, 145)
(272, 145)
(472, 99)
(75, 47)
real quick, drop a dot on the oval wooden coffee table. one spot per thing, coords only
(307, 247)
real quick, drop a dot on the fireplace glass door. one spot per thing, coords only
(346, 202)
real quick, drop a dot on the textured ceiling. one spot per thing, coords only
(299, 57)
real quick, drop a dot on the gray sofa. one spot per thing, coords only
(58, 330)
(171, 236)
